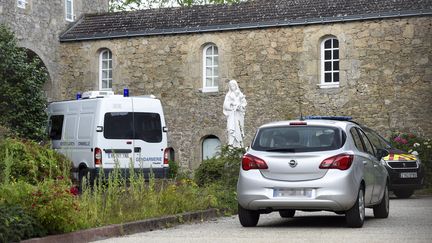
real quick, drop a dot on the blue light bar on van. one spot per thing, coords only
(126, 92)
(78, 96)
(334, 118)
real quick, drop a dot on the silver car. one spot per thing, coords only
(312, 165)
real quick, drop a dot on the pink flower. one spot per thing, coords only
(404, 141)
(397, 139)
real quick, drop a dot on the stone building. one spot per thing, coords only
(38, 24)
(364, 58)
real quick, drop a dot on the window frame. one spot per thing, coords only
(101, 69)
(358, 142)
(367, 143)
(323, 60)
(215, 78)
(22, 4)
(69, 16)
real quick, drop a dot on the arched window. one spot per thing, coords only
(211, 146)
(330, 62)
(210, 68)
(105, 70)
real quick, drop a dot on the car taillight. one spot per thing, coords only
(340, 161)
(250, 162)
(166, 156)
(98, 157)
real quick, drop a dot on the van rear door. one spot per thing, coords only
(118, 139)
(150, 140)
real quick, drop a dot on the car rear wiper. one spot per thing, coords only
(286, 150)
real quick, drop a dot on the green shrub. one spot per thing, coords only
(225, 167)
(16, 193)
(224, 196)
(173, 169)
(17, 224)
(177, 197)
(22, 101)
(219, 177)
(30, 162)
(55, 204)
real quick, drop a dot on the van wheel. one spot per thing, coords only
(356, 215)
(288, 213)
(248, 218)
(403, 193)
(381, 210)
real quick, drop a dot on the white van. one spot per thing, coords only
(102, 129)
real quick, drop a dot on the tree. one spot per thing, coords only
(120, 5)
(22, 102)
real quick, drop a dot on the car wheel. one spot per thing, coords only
(403, 193)
(248, 218)
(288, 213)
(355, 216)
(382, 209)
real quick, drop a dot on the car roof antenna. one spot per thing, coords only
(301, 113)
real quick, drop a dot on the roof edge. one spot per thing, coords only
(72, 25)
(258, 25)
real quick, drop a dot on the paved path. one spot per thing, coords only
(410, 220)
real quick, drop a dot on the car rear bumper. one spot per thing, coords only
(396, 182)
(333, 192)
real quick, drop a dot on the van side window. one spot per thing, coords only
(129, 125)
(56, 127)
(148, 127)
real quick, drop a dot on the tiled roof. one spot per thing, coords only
(245, 15)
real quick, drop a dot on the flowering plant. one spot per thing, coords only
(56, 205)
(412, 144)
(416, 145)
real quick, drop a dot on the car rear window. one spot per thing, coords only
(133, 125)
(299, 139)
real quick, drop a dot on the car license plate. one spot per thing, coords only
(408, 175)
(117, 156)
(292, 192)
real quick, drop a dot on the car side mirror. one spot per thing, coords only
(381, 153)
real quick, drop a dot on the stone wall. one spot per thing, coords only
(38, 27)
(386, 76)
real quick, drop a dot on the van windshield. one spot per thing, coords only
(292, 139)
(133, 125)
